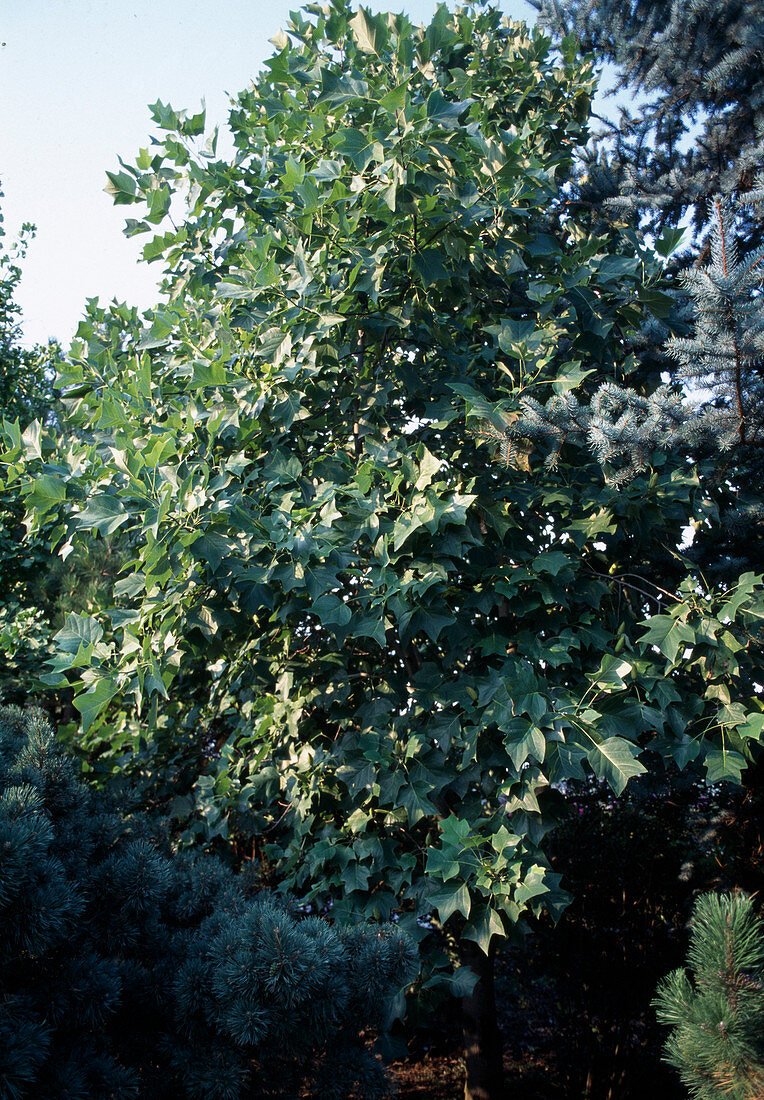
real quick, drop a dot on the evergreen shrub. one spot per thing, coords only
(717, 1016)
(127, 970)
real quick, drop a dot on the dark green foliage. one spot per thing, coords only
(127, 971)
(26, 395)
(347, 632)
(37, 589)
(717, 1013)
(585, 985)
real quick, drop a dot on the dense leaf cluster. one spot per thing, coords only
(341, 630)
(26, 395)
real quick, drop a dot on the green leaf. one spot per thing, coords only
(331, 610)
(443, 112)
(721, 764)
(31, 439)
(658, 303)
(451, 899)
(478, 405)
(104, 513)
(533, 885)
(354, 145)
(747, 586)
(429, 266)
(611, 673)
(91, 702)
(531, 743)
(208, 373)
(571, 378)
(668, 634)
(462, 982)
(164, 115)
(482, 926)
(551, 561)
(753, 727)
(365, 31)
(669, 241)
(78, 630)
(416, 801)
(121, 187)
(47, 491)
(614, 760)
(212, 548)
(428, 468)
(616, 267)
(442, 864)
(395, 99)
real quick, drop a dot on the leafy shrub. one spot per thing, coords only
(130, 971)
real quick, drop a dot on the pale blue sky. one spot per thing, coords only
(75, 80)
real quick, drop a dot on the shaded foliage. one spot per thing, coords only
(129, 971)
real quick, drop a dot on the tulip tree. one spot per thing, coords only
(343, 629)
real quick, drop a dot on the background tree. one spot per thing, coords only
(26, 382)
(695, 128)
(26, 396)
(343, 638)
(717, 1015)
(37, 589)
(691, 145)
(130, 972)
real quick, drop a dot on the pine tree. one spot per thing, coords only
(130, 971)
(717, 1015)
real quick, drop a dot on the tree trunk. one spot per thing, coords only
(484, 1078)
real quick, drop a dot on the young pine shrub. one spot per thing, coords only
(717, 1013)
(129, 971)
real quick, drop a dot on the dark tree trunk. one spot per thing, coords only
(482, 1041)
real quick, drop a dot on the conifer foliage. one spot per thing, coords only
(722, 359)
(717, 1016)
(698, 127)
(726, 350)
(689, 148)
(127, 971)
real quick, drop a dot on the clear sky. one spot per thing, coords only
(75, 80)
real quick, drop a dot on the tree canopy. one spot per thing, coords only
(386, 649)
